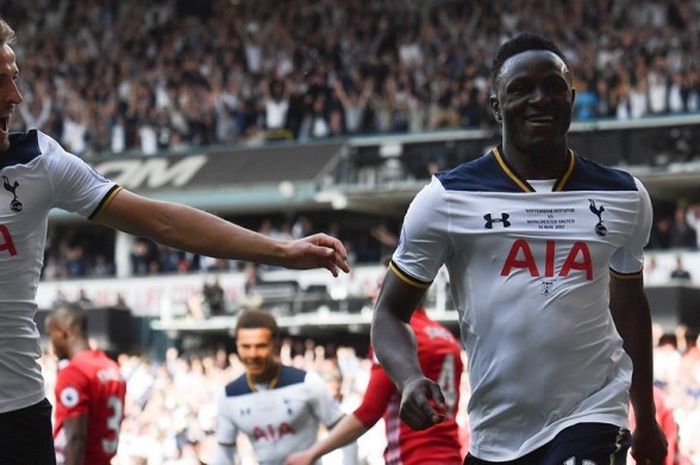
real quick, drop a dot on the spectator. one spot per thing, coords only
(666, 361)
(682, 234)
(679, 272)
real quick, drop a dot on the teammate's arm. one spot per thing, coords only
(351, 427)
(347, 430)
(187, 228)
(75, 430)
(630, 310)
(395, 345)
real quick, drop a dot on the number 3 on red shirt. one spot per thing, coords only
(114, 422)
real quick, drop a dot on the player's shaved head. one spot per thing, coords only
(69, 317)
(519, 44)
(7, 34)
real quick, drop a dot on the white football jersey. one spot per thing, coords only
(529, 272)
(278, 421)
(36, 175)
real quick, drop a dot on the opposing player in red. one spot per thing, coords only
(89, 393)
(439, 354)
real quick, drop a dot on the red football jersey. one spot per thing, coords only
(91, 384)
(440, 359)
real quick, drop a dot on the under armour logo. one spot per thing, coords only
(16, 206)
(600, 229)
(289, 407)
(490, 220)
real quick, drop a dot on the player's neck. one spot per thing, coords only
(269, 377)
(78, 346)
(542, 162)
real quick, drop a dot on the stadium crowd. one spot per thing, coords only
(167, 75)
(171, 404)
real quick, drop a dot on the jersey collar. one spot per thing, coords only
(522, 183)
(24, 147)
(270, 385)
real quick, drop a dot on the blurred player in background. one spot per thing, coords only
(279, 408)
(544, 252)
(439, 354)
(89, 393)
(38, 175)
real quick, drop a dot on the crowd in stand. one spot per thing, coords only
(171, 405)
(77, 251)
(167, 75)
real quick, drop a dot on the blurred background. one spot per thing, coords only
(315, 115)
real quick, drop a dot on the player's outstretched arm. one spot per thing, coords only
(347, 430)
(196, 231)
(630, 310)
(75, 430)
(395, 346)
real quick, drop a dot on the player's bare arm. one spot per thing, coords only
(75, 430)
(187, 228)
(630, 310)
(395, 346)
(347, 430)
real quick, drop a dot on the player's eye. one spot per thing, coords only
(518, 88)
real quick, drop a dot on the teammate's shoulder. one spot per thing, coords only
(590, 175)
(483, 174)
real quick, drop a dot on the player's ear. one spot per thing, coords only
(495, 107)
(276, 346)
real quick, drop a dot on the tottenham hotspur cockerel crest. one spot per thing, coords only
(16, 206)
(600, 228)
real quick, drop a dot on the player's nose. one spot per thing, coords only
(14, 95)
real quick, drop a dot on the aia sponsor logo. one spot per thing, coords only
(7, 245)
(521, 257)
(272, 432)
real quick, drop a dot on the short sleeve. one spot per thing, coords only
(323, 405)
(629, 258)
(226, 430)
(377, 395)
(75, 185)
(424, 244)
(72, 393)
